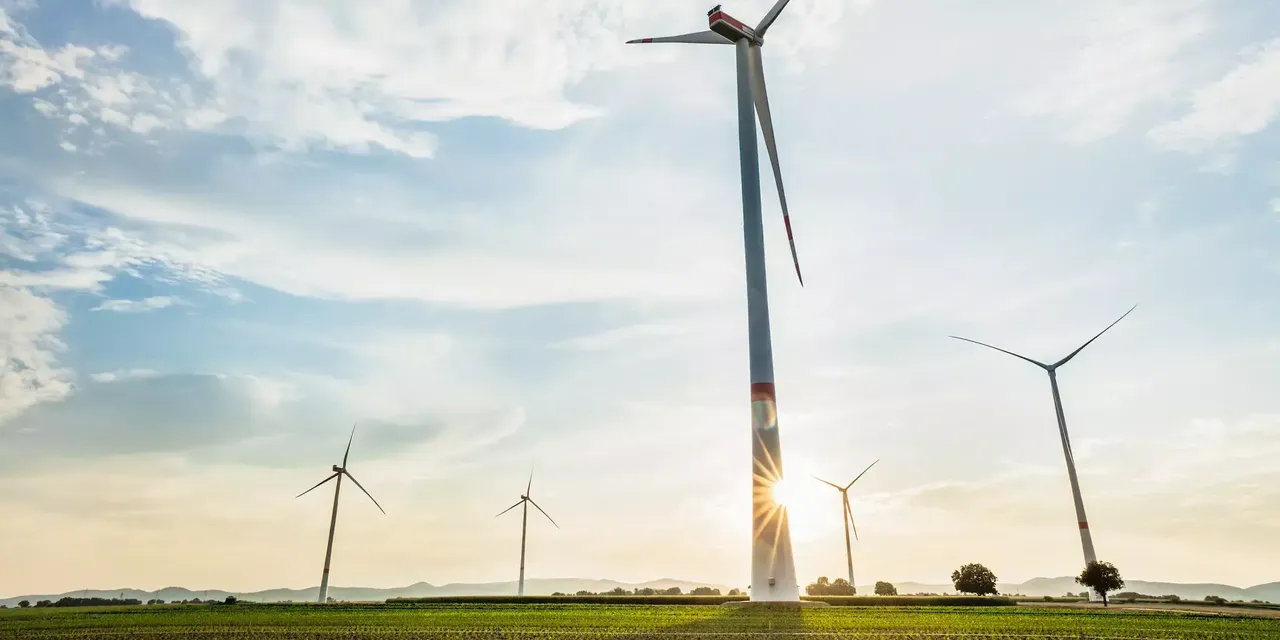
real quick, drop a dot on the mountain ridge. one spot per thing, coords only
(1034, 587)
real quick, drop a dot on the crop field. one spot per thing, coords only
(585, 622)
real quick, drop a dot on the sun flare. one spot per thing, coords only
(784, 492)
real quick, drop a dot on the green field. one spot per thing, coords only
(616, 621)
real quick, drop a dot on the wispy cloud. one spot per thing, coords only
(1128, 58)
(1244, 101)
(139, 306)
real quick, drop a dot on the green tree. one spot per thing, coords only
(885, 589)
(818, 588)
(974, 578)
(1102, 577)
(704, 591)
(229, 600)
(24, 604)
(735, 592)
(841, 587)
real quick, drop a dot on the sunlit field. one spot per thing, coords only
(617, 621)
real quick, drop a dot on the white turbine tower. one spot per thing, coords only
(773, 571)
(848, 520)
(338, 472)
(1086, 539)
(524, 524)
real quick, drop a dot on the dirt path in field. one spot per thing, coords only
(1188, 608)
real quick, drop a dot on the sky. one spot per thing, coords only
(500, 240)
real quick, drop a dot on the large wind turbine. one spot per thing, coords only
(773, 572)
(848, 519)
(1086, 539)
(338, 472)
(524, 524)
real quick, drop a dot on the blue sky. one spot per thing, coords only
(497, 237)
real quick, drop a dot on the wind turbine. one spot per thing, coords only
(848, 519)
(524, 524)
(338, 472)
(1086, 539)
(773, 572)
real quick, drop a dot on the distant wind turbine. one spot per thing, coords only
(773, 570)
(338, 472)
(848, 519)
(524, 523)
(1086, 539)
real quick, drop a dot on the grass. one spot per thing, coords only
(586, 622)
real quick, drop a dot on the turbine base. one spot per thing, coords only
(776, 604)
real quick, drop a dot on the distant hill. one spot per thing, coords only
(1035, 587)
(366, 594)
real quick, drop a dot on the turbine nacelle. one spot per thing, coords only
(337, 469)
(730, 27)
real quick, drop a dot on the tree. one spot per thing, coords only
(735, 592)
(229, 600)
(673, 591)
(841, 587)
(818, 588)
(885, 589)
(1102, 577)
(704, 591)
(24, 604)
(974, 578)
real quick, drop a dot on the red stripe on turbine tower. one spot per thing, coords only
(1084, 525)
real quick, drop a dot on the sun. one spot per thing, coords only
(785, 492)
(807, 505)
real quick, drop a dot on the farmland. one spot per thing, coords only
(570, 621)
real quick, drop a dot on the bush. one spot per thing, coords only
(1215, 599)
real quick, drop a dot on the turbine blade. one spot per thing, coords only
(1035, 362)
(761, 96)
(700, 37)
(830, 484)
(335, 474)
(349, 439)
(375, 502)
(861, 474)
(543, 512)
(849, 510)
(1073, 353)
(768, 19)
(529, 487)
(512, 507)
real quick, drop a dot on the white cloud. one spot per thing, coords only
(124, 374)
(139, 306)
(29, 347)
(1243, 102)
(25, 67)
(88, 253)
(1128, 58)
